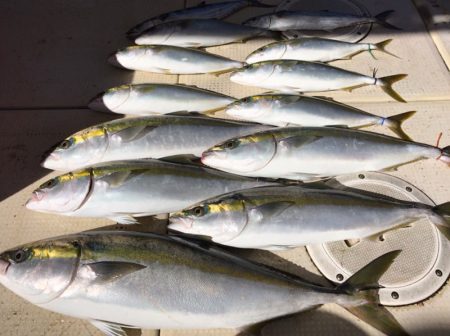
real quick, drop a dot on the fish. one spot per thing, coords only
(201, 33)
(315, 153)
(283, 217)
(316, 20)
(300, 76)
(219, 10)
(118, 280)
(144, 137)
(296, 110)
(172, 60)
(158, 98)
(314, 49)
(123, 190)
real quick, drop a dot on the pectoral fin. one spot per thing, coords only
(298, 140)
(117, 178)
(114, 329)
(107, 271)
(269, 210)
(123, 219)
(134, 133)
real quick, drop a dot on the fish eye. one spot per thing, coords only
(65, 144)
(19, 256)
(231, 144)
(198, 211)
(49, 184)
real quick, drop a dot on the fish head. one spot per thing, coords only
(221, 219)
(262, 21)
(110, 100)
(250, 108)
(252, 74)
(79, 150)
(40, 272)
(268, 52)
(62, 194)
(158, 34)
(125, 58)
(242, 155)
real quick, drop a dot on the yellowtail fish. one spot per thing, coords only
(296, 110)
(120, 280)
(313, 153)
(314, 49)
(300, 76)
(282, 217)
(218, 10)
(172, 60)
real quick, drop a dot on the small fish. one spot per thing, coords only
(316, 20)
(144, 137)
(123, 190)
(156, 98)
(172, 60)
(120, 280)
(300, 76)
(314, 49)
(201, 33)
(217, 10)
(290, 216)
(295, 110)
(313, 153)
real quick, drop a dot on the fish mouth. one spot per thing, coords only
(4, 265)
(50, 161)
(182, 224)
(34, 200)
(113, 60)
(97, 103)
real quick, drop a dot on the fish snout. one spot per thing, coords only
(33, 201)
(97, 103)
(4, 266)
(113, 60)
(181, 224)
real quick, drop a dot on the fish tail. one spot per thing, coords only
(395, 122)
(441, 217)
(256, 3)
(380, 46)
(386, 85)
(364, 285)
(382, 17)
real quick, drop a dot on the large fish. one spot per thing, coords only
(284, 217)
(300, 76)
(295, 110)
(201, 33)
(172, 60)
(119, 280)
(144, 137)
(315, 20)
(314, 49)
(217, 10)
(312, 153)
(121, 191)
(157, 98)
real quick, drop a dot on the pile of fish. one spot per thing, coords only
(246, 184)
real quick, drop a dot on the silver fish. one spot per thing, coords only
(300, 76)
(314, 49)
(121, 191)
(172, 60)
(140, 280)
(144, 137)
(312, 153)
(290, 216)
(315, 20)
(295, 110)
(156, 98)
(217, 10)
(201, 33)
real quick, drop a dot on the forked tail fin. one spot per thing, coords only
(382, 17)
(380, 46)
(395, 122)
(364, 284)
(386, 85)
